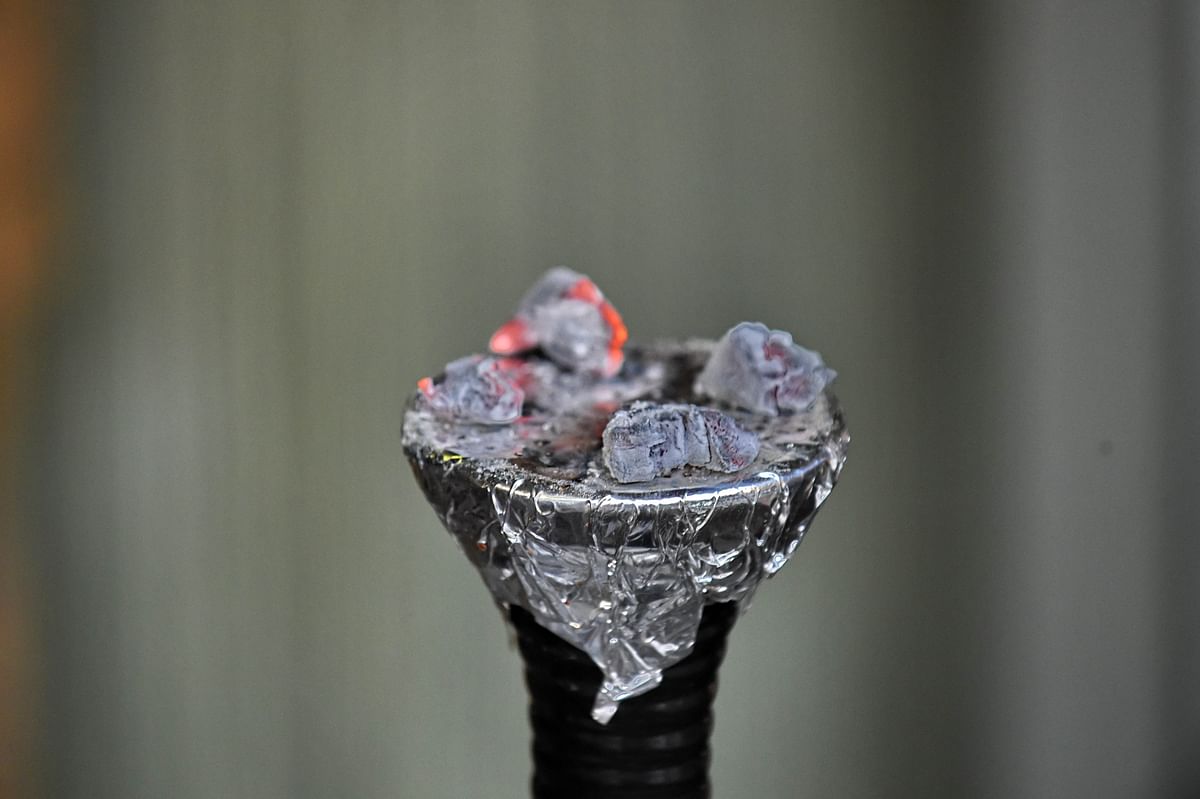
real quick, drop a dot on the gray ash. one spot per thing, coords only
(764, 371)
(649, 440)
(475, 389)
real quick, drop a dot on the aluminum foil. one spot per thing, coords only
(622, 571)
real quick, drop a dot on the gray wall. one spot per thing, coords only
(288, 212)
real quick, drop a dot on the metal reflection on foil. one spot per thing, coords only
(622, 571)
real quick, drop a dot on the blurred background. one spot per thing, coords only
(233, 235)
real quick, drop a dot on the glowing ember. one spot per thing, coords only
(764, 371)
(475, 389)
(566, 316)
(649, 440)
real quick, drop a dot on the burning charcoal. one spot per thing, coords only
(696, 444)
(730, 448)
(649, 440)
(763, 371)
(475, 389)
(568, 318)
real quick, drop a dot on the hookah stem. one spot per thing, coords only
(657, 744)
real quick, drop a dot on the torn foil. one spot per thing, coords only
(622, 571)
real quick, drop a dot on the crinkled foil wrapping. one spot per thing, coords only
(623, 571)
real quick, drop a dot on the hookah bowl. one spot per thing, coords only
(622, 595)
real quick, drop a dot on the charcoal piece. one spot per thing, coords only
(566, 316)
(572, 333)
(648, 440)
(475, 389)
(730, 448)
(764, 371)
(552, 286)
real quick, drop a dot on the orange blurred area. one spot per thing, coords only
(27, 146)
(26, 149)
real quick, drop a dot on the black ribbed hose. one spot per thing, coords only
(655, 747)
